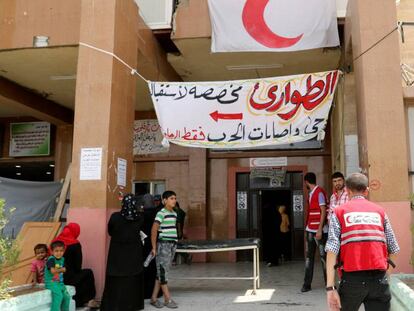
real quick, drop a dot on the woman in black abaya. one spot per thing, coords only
(150, 272)
(124, 276)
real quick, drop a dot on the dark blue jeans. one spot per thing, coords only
(365, 287)
(312, 244)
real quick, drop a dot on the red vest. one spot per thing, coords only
(363, 241)
(314, 210)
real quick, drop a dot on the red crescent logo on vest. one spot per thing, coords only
(253, 21)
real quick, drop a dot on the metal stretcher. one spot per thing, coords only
(202, 246)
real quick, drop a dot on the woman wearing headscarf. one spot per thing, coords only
(124, 277)
(82, 279)
(150, 272)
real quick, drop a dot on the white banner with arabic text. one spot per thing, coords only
(245, 113)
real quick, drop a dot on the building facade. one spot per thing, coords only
(69, 64)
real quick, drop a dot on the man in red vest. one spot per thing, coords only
(316, 229)
(361, 233)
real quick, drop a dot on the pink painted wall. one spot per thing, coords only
(94, 240)
(399, 214)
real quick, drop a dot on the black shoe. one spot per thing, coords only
(305, 288)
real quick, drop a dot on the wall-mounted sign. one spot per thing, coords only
(122, 172)
(148, 137)
(262, 162)
(276, 177)
(241, 200)
(90, 164)
(29, 139)
(297, 203)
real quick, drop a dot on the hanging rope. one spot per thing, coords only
(133, 70)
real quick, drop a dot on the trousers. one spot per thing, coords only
(60, 296)
(370, 288)
(311, 245)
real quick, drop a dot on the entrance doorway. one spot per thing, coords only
(257, 215)
(272, 245)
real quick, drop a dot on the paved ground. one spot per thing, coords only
(280, 288)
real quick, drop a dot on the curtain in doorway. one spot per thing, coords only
(33, 201)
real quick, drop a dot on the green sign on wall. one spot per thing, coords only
(29, 139)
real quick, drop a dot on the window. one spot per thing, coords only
(152, 187)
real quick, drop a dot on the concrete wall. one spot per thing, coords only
(20, 20)
(405, 13)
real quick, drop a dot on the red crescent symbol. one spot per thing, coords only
(256, 26)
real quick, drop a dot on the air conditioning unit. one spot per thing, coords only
(157, 14)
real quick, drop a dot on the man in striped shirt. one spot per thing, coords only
(339, 195)
(164, 247)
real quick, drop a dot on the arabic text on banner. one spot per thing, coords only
(241, 114)
(272, 25)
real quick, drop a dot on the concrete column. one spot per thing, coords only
(104, 114)
(197, 197)
(380, 113)
(63, 150)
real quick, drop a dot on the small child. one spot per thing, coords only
(37, 270)
(164, 249)
(284, 233)
(55, 267)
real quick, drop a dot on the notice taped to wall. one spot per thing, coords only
(90, 164)
(122, 170)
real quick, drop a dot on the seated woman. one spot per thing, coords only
(82, 279)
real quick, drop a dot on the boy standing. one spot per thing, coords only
(284, 233)
(164, 249)
(55, 267)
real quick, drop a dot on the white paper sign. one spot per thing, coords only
(244, 114)
(242, 200)
(297, 203)
(122, 170)
(90, 164)
(263, 162)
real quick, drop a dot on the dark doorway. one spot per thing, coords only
(257, 202)
(271, 220)
(30, 171)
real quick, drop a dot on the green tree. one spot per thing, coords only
(9, 251)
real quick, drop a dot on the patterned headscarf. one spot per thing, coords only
(129, 208)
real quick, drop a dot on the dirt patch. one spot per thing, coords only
(409, 283)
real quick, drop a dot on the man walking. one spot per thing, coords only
(340, 194)
(315, 221)
(362, 234)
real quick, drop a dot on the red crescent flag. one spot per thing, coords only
(272, 25)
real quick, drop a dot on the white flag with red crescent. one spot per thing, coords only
(272, 25)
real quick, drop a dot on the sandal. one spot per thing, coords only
(171, 304)
(156, 304)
